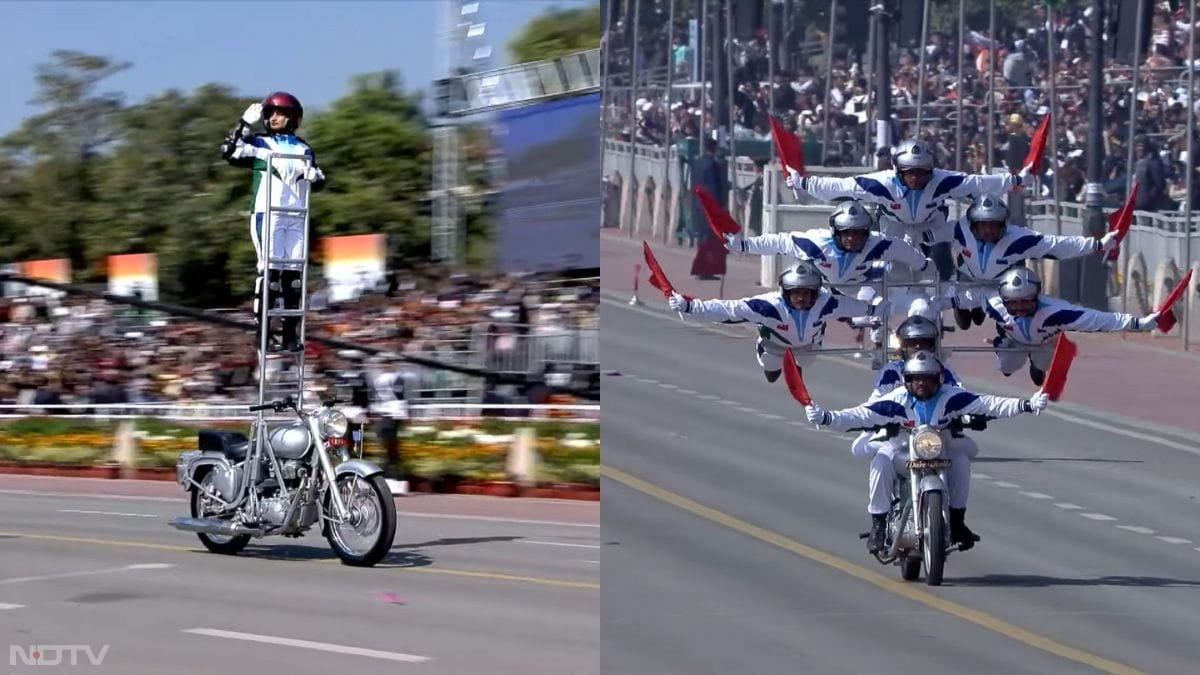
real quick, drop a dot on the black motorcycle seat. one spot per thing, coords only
(229, 443)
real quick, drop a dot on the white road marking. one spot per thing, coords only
(771, 416)
(708, 397)
(689, 392)
(1068, 506)
(744, 409)
(88, 573)
(1136, 529)
(1097, 516)
(110, 513)
(555, 543)
(8, 605)
(982, 476)
(309, 644)
(1037, 495)
(1174, 540)
(1005, 484)
(649, 381)
(665, 385)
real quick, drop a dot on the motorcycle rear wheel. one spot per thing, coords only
(374, 511)
(226, 545)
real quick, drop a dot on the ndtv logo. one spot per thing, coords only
(55, 655)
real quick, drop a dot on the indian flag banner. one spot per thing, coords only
(134, 274)
(354, 264)
(56, 269)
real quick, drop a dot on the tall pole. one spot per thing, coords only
(605, 70)
(921, 69)
(730, 118)
(991, 108)
(670, 94)
(828, 79)
(959, 93)
(1093, 280)
(635, 186)
(1133, 106)
(1191, 174)
(1057, 184)
(883, 75)
(703, 56)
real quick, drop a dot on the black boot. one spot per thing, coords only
(978, 316)
(959, 532)
(772, 375)
(1038, 376)
(877, 539)
(962, 317)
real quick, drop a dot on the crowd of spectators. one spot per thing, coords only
(73, 350)
(1022, 97)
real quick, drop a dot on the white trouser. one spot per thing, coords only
(888, 460)
(904, 302)
(770, 355)
(287, 238)
(970, 297)
(1010, 362)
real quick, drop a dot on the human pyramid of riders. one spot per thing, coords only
(910, 202)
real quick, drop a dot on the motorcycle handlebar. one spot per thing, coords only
(277, 406)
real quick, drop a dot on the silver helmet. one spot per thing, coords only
(912, 155)
(987, 208)
(1019, 283)
(917, 327)
(850, 216)
(804, 274)
(922, 363)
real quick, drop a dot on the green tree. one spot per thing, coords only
(374, 146)
(556, 33)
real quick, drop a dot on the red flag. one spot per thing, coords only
(657, 278)
(795, 383)
(718, 219)
(1119, 220)
(1037, 147)
(1060, 363)
(1166, 317)
(787, 147)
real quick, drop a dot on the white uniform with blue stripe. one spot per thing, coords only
(892, 376)
(288, 190)
(780, 326)
(1036, 333)
(838, 267)
(900, 407)
(904, 213)
(981, 261)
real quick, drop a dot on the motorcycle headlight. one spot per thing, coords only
(334, 424)
(927, 444)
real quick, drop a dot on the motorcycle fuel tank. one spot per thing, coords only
(290, 441)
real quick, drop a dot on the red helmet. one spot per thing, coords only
(281, 100)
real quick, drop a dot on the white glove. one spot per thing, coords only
(1149, 322)
(1024, 175)
(678, 303)
(732, 243)
(253, 114)
(794, 180)
(815, 414)
(312, 173)
(1038, 402)
(1108, 242)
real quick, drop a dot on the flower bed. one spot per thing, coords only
(440, 451)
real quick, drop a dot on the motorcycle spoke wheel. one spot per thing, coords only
(366, 535)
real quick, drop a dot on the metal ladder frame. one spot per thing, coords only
(267, 310)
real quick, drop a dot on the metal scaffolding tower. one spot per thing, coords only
(461, 31)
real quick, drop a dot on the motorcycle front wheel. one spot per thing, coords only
(934, 544)
(370, 528)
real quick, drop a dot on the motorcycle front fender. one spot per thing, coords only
(360, 467)
(931, 483)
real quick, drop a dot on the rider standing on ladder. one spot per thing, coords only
(281, 113)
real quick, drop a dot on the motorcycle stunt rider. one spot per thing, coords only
(912, 195)
(794, 317)
(924, 399)
(281, 112)
(1029, 321)
(987, 245)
